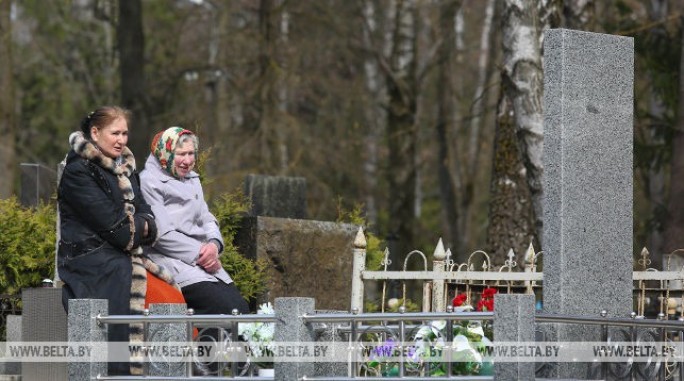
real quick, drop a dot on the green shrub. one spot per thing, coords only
(27, 245)
(250, 276)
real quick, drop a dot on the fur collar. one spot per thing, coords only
(87, 150)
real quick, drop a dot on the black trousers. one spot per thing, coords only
(213, 298)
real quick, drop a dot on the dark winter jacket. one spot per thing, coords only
(95, 231)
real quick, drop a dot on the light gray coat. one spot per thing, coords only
(183, 221)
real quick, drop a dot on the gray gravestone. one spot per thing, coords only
(588, 210)
(167, 333)
(82, 328)
(43, 319)
(276, 196)
(291, 328)
(514, 323)
(38, 184)
(13, 334)
(328, 333)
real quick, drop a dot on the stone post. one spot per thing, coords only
(43, 319)
(588, 171)
(514, 322)
(330, 336)
(167, 333)
(13, 334)
(82, 327)
(358, 266)
(291, 328)
(438, 284)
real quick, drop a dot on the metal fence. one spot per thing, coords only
(403, 331)
(656, 293)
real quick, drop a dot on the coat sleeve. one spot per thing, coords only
(209, 222)
(144, 210)
(170, 242)
(92, 201)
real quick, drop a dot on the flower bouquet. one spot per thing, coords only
(464, 351)
(259, 337)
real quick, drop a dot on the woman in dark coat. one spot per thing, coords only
(104, 220)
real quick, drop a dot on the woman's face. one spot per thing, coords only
(112, 138)
(184, 158)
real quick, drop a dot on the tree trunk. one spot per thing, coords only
(523, 84)
(445, 121)
(273, 151)
(131, 70)
(475, 141)
(374, 114)
(674, 234)
(655, 172)
(7, 120)
(579, 14)
(401, 130)
(516, 192)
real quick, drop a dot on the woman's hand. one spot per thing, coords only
(208, 257)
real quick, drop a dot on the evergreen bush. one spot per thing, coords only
(27, 245)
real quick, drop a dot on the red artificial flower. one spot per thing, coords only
(489, 292)
(485, 305)
(459, 300)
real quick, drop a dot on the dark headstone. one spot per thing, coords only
(43, 319)
(38, 183)
(276, 196)
(308, 258)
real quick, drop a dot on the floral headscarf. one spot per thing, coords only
(164, 145)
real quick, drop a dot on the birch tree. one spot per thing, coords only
(516, 191)
(375, 114)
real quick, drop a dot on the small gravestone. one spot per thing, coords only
(276, 196)
(38, 184)
(43, 320)
(9, 369)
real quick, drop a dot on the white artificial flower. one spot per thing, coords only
(266, 308)
(465, 308)
(460, 343)
(438, 324)
(463, 350)
(477, 330)
(259, 335)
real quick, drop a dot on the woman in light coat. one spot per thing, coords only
(189, 240)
